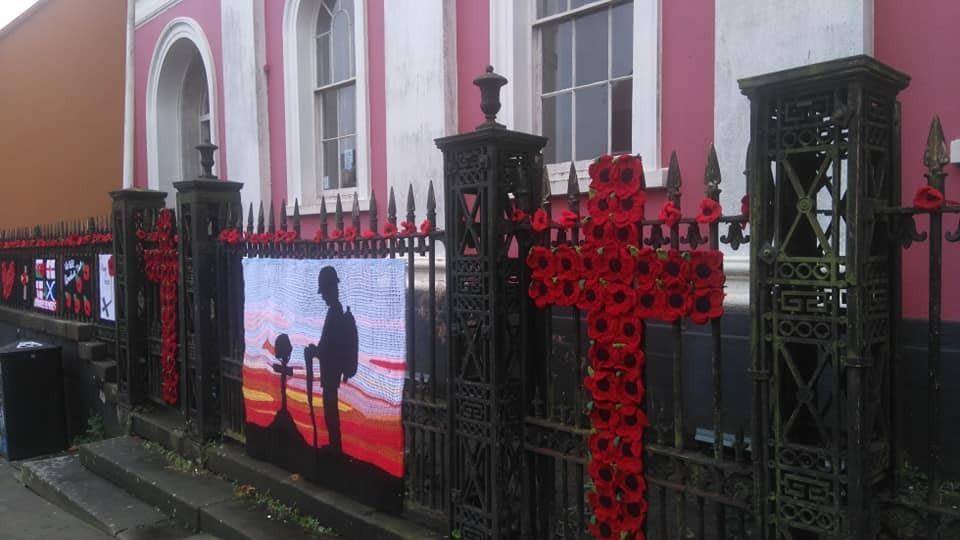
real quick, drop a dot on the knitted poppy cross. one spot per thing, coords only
(162, 266)
(620, 284)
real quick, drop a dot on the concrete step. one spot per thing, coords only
(348, 517)
(65, 482)
(198, 502)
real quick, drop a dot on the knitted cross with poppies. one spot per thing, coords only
(619, 284)
(161, 265)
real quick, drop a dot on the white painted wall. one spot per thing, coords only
(245, 99)
(759, 36)
(420, 54)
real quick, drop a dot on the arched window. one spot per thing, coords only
(326, 102)
(335, 96)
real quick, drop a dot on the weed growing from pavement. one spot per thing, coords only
(278, 511)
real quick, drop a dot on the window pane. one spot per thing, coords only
(323, 60)
(348, 110)
(557, 56)
(348, 162)
(621, 116)
(341, 38)
(557, 126)
(545, 8)
(591, 121)
(323, 21)
(591, 47)
(621, 38)
(328, 114)
(331, 169)
(579, 3)
(205, 131)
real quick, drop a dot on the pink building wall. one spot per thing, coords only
(930, 59)
(207, 15)
(473, 56)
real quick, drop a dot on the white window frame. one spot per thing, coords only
(299, 80)
(514, 52)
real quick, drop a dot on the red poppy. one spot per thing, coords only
(632, 422)
(650, 302)
(603, 530)
(928, 198)
(618, 265)
(710, 211)
(629, 358)
(336, 234)
(87, 307)
(600, 175)
(602, 473)
(745, 206)
(631, 448)
(602, 356)
(676, 303)
(603, 415)
(602, 385)
(706, 268)
(619, 299)
(41, 268)
(541, 293)
(707, 304)
(591, 258)
(591, 294)
(318, 236)
(367, 235)
(566, 261)
(518, 215)
(675, 268)
(604, 503)
(602, 446)
(540, 221)
(631, 388)
(389, 230)
(630, 209)
(633, 512)
(670, 214)
(541, 262)
(597, 232)
(627, 175)
(86, 272)
(407, 228)
(601, 207)
(68, 300)
(566, 292)
(111, 266)
(602, 327)
(648, 267)
(77, 305)
(631, 331)
(426, 227)
(78, 284)
(626, 233)
(349, 234)
(568, 219)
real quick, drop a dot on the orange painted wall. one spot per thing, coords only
(61, 111)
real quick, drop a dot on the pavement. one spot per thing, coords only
(25, 516)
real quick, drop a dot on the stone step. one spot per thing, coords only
(198, 502)
(348, 517)
(65, 482)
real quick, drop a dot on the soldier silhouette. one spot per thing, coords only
(337, 354)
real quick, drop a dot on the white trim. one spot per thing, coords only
(129, 91)
(513, 54)
(175, 30)
(294, 83)
(145, 10)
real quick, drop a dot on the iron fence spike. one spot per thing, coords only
(545, 184)
(936, 154)
(338, 212)
(711, 176)
(392, 207)
(673, 179)
(250, 220)
(260, 224)
(373, 211)
(431, 204)
(355, 212)
(573, 184)
(271, 224)
(283, 214)
(296, 216)
(411, 206)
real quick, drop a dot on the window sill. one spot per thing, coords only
(347, 201)
(560, 172)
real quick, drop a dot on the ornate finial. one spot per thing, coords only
(673, 179)
(936, 155)
(206, 159)
(489, 84)
(711, 176)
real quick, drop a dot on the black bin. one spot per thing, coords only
(32, 419)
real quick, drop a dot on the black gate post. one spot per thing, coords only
(128, 209)
(204, 206)
(483, 169)
(824, 142)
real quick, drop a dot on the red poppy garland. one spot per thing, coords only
(619, 284)
(161, 265)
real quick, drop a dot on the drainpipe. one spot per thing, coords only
(128, 89)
